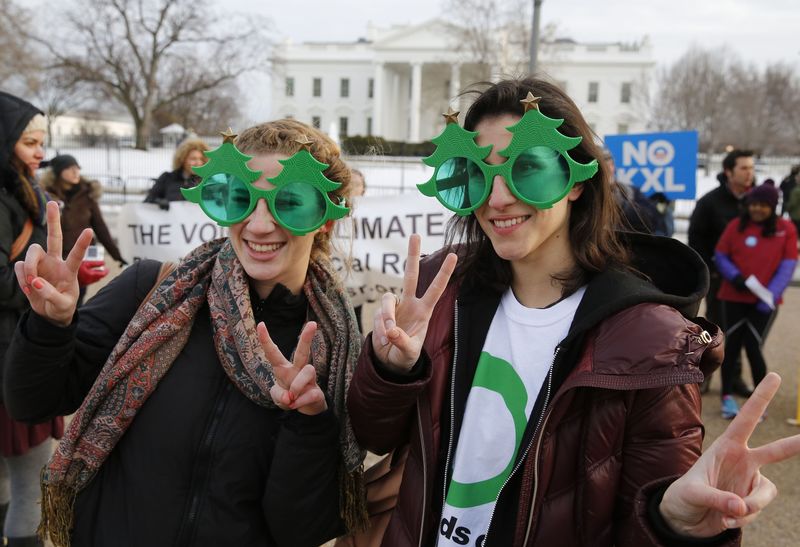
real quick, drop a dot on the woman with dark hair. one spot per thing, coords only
(79, 201)
(546, 393)
(190, 426)
(761, 246)
(25, 448)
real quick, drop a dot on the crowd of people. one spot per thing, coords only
(737, 230)
(538, 380)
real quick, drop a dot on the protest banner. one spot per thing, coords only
(657, 162)
(374, 240)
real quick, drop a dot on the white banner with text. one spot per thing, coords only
(375, 238)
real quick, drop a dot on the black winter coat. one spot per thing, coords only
(14, 117)
(201, 464)
(80, 209)
(711, 214)
(167, 187)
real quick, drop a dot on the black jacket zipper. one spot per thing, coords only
(202, 467)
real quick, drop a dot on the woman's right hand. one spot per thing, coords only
(49, 282)
(400, 325)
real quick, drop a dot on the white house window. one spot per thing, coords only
(290, 87)
(342, 127)
(317, 87)
(369, 126)
(625, 93)
(370, 87)
(344, 87)
(594, 87)
(316, 121)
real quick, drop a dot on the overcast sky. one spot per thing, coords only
(761, 31)
(758, 31)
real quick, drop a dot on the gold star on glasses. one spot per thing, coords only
(228, 136)
(531, 102)
(305, 142)
(451, 116)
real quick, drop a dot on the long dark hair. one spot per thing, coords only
(594, 215)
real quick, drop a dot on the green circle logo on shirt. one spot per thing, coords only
(500, 377)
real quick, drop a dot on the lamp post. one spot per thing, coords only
(537, 4)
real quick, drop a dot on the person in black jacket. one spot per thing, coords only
(711, 215)
(191, 426)
(167, 186)
(25, 448)
(79, 201)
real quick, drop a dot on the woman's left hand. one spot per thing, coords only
(295, 381)
(725, 488)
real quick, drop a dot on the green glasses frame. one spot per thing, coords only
(534, 135)
(299, 202)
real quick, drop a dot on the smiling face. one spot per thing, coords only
(267, 251)
(520, 233)
(759, 211)
(29, 150)
(195, 158)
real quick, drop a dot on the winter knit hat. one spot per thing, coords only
(59, 163)
(37, 123)
(766, 193)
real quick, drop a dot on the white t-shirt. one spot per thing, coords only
(513, 365)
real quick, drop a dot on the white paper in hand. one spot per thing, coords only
(763, 293)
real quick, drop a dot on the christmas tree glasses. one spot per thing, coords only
(538, 170)
(299, 202)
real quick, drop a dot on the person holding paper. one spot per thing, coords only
(756, 256)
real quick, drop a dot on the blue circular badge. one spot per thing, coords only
(751, 241)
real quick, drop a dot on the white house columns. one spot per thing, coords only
(416, 101)
(455, 85)
(377, 100)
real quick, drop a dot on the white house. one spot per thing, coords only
(91, 123)
(396, 82)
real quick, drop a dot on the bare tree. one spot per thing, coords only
(494, 33)
(729, 102)
(205, 113)
(15, 57)
(693, 93)
(781, 122)
(150, 54)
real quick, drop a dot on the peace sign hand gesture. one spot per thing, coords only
(296, 385)
(400, 326)
(49, 282)
(725, 488)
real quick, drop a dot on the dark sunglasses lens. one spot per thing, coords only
(225, 197)
(460, 183)
(540, 174)
(299, 206)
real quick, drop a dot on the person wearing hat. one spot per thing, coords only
(78, 199)
(758, 245)
(25, 449)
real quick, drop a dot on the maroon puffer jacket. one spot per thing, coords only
(626, 420)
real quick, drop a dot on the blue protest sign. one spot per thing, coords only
(657, 162)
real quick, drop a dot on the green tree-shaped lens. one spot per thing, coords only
(460, 183)
(298, 205)
(539, 173)
(225, 197)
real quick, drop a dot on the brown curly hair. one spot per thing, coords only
(184, 149)
(281, 136)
